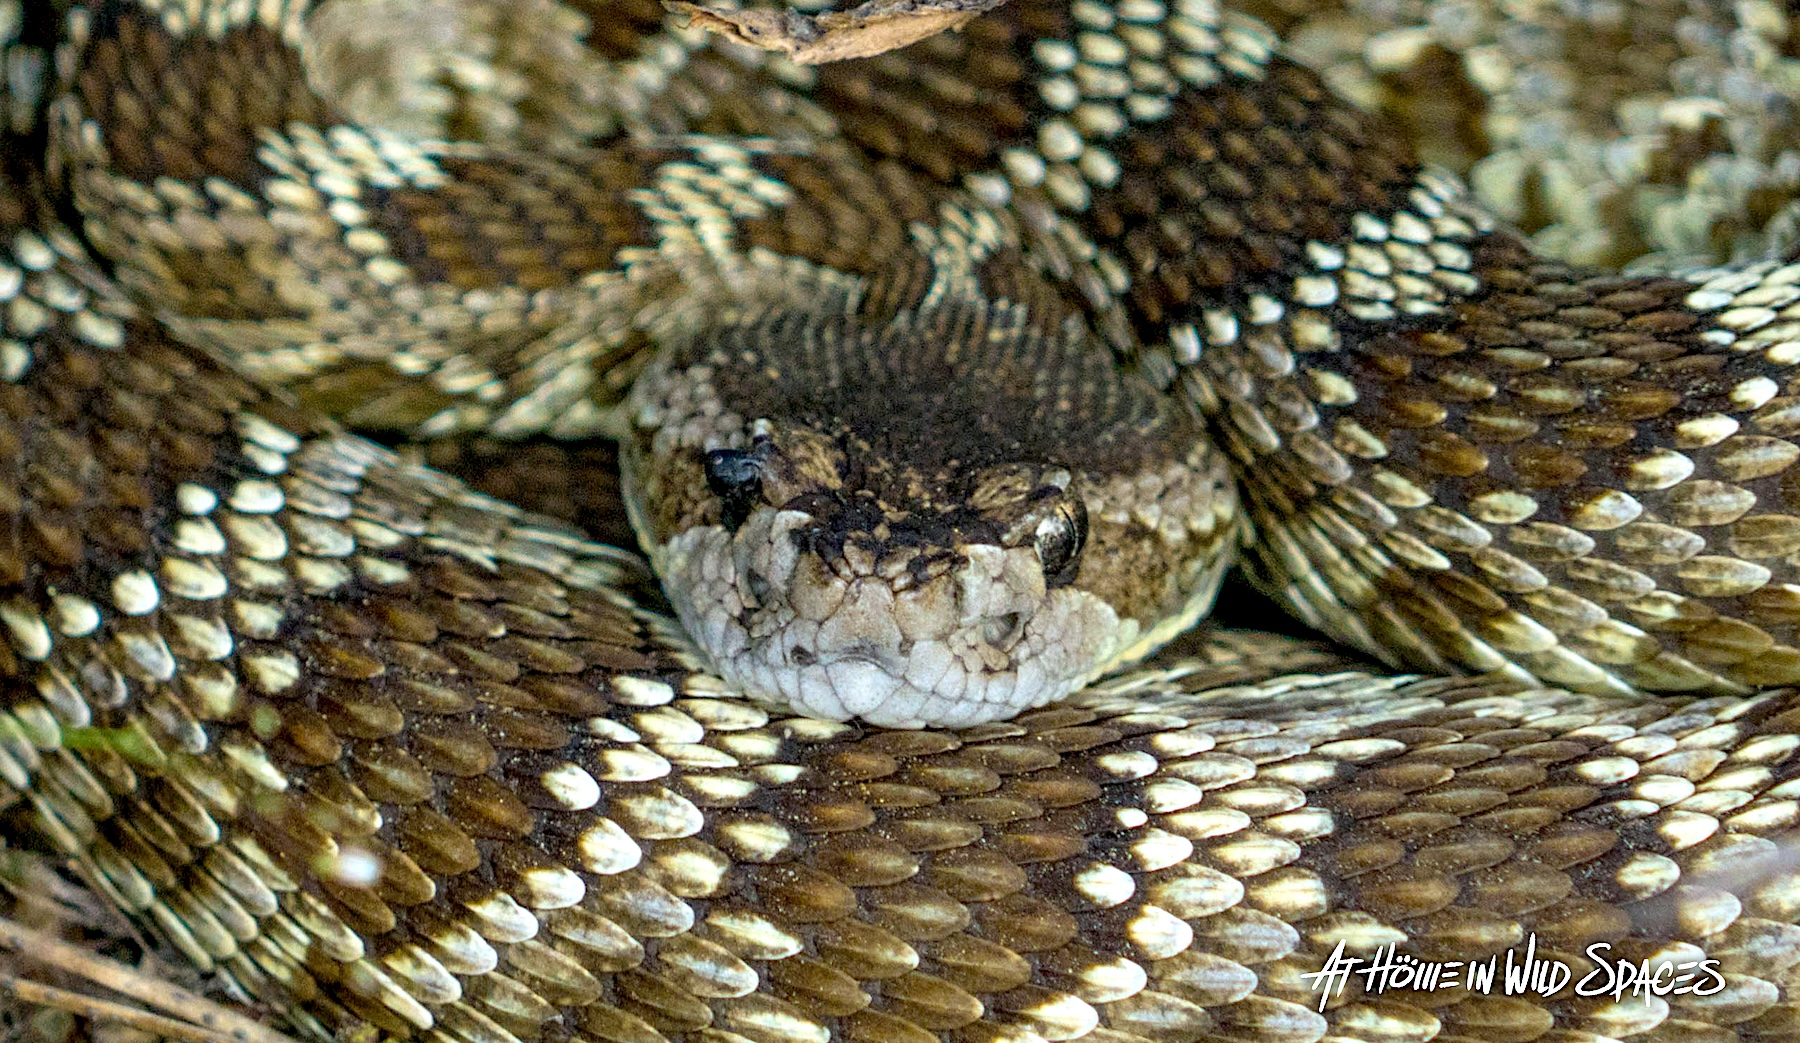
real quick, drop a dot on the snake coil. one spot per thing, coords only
(391, 756)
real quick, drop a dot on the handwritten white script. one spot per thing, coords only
(1516, 973)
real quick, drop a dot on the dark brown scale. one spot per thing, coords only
(512, 222)
(78, 503)
(618, 28)
(1246, 172)
(845, 216)
(193, 106)
(975, 95)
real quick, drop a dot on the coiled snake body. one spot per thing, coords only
(385, 752)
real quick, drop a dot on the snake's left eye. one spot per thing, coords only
(1060, 536)
(735, 477)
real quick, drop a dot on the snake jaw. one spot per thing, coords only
(977, 641)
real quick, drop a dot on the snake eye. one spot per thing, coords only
(735, 477)
(1060, 537)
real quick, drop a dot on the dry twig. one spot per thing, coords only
(873, 28)
(195, 1019)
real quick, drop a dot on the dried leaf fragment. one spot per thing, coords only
(873, 28)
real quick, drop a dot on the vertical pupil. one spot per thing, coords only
(1059, 541)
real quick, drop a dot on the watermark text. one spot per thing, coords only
(1517, 972)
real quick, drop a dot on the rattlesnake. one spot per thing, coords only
(379, 749)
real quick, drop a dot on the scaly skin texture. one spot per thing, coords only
(386, 753)
(1458, 456)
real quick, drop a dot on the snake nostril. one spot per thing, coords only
(1001, 629)
(802, 657)
(758, 586)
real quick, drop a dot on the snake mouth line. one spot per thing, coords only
(891, 690)
(861, 682)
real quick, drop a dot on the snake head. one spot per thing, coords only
(885, 525)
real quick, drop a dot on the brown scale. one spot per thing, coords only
(1577, 392)
(577, 482)
(838, 215)
(1216, 199)
(950, 104)
(618, 28)
(505, 221)
(1256, 170)
(843, 216)
(210, 97)
(94, 450)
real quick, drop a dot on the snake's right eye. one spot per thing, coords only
(1059, 539)
(735, 477)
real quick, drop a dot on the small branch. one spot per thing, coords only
(875, 27)
(85, 1006)
(206, 1021)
